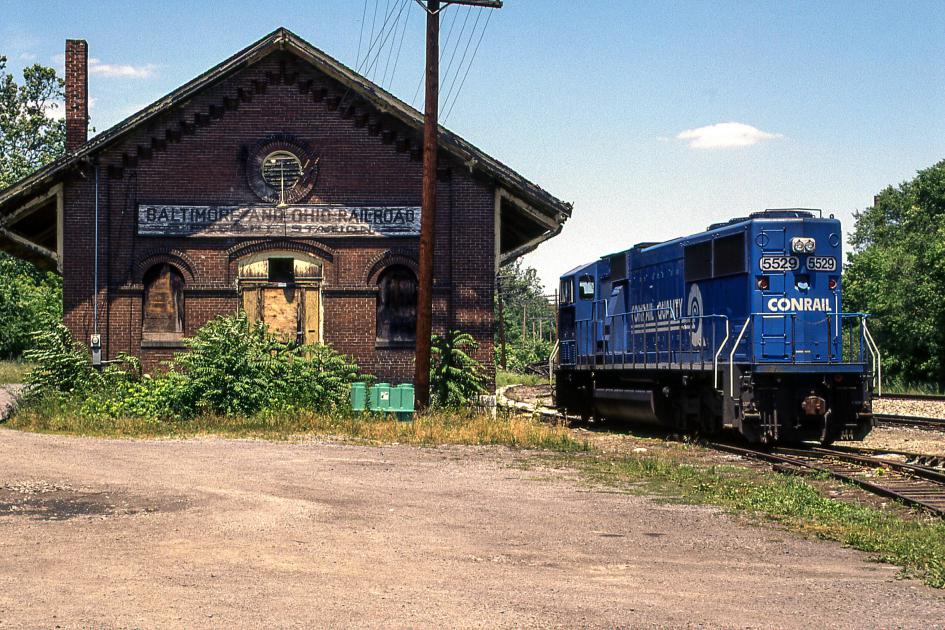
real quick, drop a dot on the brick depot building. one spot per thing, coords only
(280, 182)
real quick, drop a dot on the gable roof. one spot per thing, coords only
(521, 189)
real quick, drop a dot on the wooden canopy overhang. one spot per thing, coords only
(31, 209)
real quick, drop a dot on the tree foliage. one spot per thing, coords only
(30, 300)
(523, 299)
(896, 273)
(30, 137)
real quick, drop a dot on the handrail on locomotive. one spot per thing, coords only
(662, 330)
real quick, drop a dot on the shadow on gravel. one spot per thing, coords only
(42, 501)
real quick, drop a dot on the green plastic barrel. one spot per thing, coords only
(379, 396)
(405, 397)
(358, 396)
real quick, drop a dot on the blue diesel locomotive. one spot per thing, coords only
(737, 328)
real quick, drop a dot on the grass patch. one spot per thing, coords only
(793, 503)
(13, 371)
(503, 378)
(428, 429)
(916, 545)
(899, 386)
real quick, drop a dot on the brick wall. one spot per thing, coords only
(205, 164)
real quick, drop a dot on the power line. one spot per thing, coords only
(449, 33)
(459, 69)
(368, 53)
(371, 38)
(376, 40)
(428, 199)
(463, 82)
(459, 39)
(387, 34)
(399, 48)
(361, 32)
(392, 42)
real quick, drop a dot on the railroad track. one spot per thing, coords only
(919, 480)
(915, 421)
(913, 484)
(918, 459)
(940, 397)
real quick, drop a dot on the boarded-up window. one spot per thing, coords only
(163, 300)
(397, 306)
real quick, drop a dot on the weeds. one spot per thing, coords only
(427, 429)
(14, 371)
(503, 378)
(899, 386)
(916, 545)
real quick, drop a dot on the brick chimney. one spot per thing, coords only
(77, 93)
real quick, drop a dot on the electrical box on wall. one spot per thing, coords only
(95, 345)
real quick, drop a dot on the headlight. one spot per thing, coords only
(800, 245)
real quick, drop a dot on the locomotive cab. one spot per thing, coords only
(804, 373)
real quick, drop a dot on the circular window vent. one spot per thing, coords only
(282, 170)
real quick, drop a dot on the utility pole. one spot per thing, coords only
(503, 359)
(428, 199)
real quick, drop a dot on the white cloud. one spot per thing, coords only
(724, 135)
(55, 110)
(121, 69)
(110, 70)
(27, 56)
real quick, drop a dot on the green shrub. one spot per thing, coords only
(62, 366)
(521, 356)
(231, 368)
(456, 379)
(234, 367)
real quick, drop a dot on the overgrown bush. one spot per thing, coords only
(234, 367)
(519, 358)
(456, 379)
(62, 366)
(231, 367)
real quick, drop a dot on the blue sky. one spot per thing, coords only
(622, 108)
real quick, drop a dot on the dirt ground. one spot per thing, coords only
(224, 533)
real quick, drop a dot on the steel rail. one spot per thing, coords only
(907, 486)
(916, 421)
(911, 483)
(888, 396)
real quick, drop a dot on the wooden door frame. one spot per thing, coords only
(304, 286)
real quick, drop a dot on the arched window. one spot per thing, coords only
(397, 306)
(163, 302)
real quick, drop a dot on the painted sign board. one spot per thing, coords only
(313, 220)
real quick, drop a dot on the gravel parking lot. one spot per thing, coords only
(224, 533)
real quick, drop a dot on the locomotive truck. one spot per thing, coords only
(739, 328)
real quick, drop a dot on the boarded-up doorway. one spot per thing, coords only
(284, 291)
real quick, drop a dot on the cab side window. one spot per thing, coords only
(586, 287)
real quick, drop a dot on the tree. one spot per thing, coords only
(896, 273)
(30, 137)
(523, 305)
